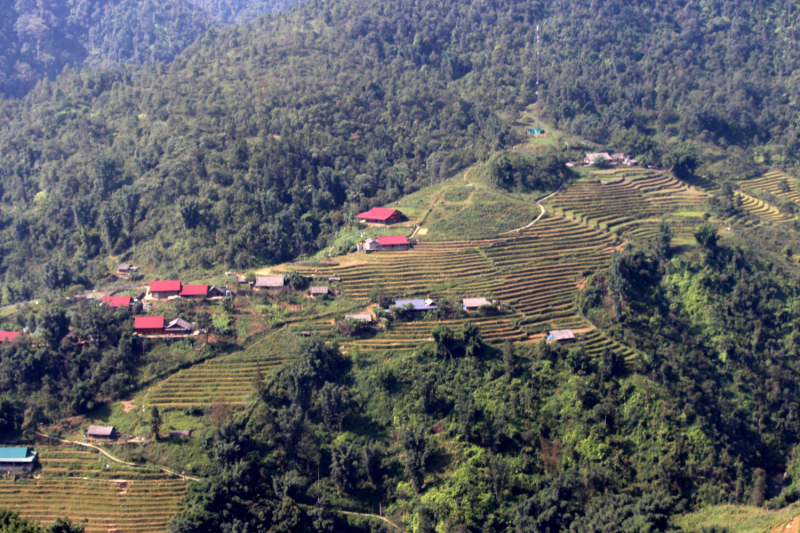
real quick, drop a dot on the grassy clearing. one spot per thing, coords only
(737, 518)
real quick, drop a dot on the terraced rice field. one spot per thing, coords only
(75, 483)
(773, 183)
(224, 380)
(632, 203)
(536, 273)
(762, 209)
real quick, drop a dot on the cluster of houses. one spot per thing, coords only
(613, 159)
(383, 216)
(173, 289)
(157, 325)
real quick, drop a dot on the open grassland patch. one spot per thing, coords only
(738, 518)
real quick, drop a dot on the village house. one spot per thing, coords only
(101, 432)
(366, 317)
(19, 459)
(149, 325)
(418, 305)
(9, 335)
(592, 159)
(270, 282)
(117, 301)
(125, 268)
(393, 243)
(370, 245)
(179, 327)
(319, 290)
(562, 336)
(381, 215)
(215, 291)
(161, 290)
(180, 433)
(194, 291)
(472, 304)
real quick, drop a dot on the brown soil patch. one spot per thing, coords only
(128, 406)
(789, 527)
(122, 487)
(581, 284)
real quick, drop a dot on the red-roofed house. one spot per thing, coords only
(393, 242)
(194, 291)
(161, 290)
(381, 215)
(9, 335)
(149, 325)
(117, 301)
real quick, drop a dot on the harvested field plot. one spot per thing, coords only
(632, 203)
(75, 483)
(762, 209)
(536, 273)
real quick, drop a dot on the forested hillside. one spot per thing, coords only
(38, 38)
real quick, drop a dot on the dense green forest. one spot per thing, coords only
(39, 38)
(258, 140)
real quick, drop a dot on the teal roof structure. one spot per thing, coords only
(16, 455)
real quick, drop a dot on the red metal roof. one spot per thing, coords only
(173, 285)
(194, 290)
(148, 322)
(379, 213)
(8, 335)
(117, 301)
(392, 240)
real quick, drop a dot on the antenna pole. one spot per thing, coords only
(538, 128)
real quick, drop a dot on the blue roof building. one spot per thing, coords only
(419, 305)
(16, 459)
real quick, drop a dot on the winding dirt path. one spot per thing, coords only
(112, 458)
(398, 528)
(541, 214)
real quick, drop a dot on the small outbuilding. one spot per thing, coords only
(161, 290)
(371, 245)
(393, 243)
(381, 215)
(117, 301)
(472, 304)
(9, 335)
(180, 433)
(366, 317)
(101, 432)
(215, 291)
(18, 459)
(270, 282)
(149, 325)
(562, 336)
(180, 327)
(318, 290)
(125, 268)
(418, 305)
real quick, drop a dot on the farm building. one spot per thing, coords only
(472, 304)
(419, 305)
(194, 291)
(366, 317)
(215, 291)
(125, 268)
(149, 325)
(270, 282)
(394, 242)
(101, 432)
(117, 301)
(562, 336)
(179, 326)
(241, 279)
(161, 290)
(180, 433)
(591, 159)
(20, 459)
(370, 245)
(381, 215)
(319, 290)
(9, 335)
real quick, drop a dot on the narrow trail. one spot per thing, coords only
(112, 458)
(541, 214)
(398, 528)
